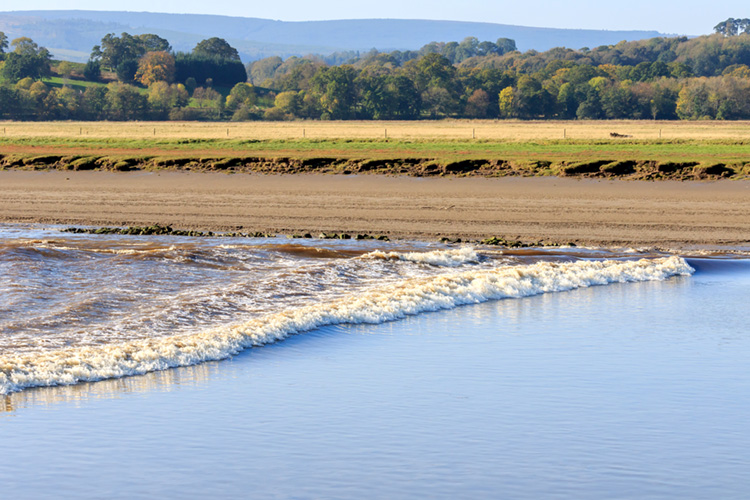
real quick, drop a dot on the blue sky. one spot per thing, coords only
(693, 17)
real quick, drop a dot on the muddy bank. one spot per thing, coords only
(413, 167)
(547, 210)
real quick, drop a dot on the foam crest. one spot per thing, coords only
(388, 303)
(445, 258)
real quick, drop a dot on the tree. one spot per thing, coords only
(478, 104)
(114, 50)
(336, 91)
(664, 103)
(3, 44)
(126, 70)
(154, 43)
(209, 100)
(591, 107)
(505, 45)
(241, 94)
(216, 48)
(94, 102)
(506, 102)
(617, 101)
(9, 102)
(191, 85)
(223, 72)
(569, 97)
(434, 70)
(92, 71)
(156, 67)
(124, 102)
(469, 47)
(438, 102)
(26, 60)
(66, 69)
(163, 97)
(69, 102)
(265, 69)
(290, 102)
(404, 98)
(531, 99)
(373, 97)
(733, 27)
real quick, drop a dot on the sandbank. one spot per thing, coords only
(549, 209)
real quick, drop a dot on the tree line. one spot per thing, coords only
(706, 77)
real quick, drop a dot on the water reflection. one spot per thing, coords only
(510, 316)
(79, 394)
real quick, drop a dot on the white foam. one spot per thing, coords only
(446, 258)
(388, 303)
(51, 245)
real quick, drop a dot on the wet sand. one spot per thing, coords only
(669, 214)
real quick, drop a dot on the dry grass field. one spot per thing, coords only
(646, 150)
(443, 130)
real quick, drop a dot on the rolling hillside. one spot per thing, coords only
(70, 34)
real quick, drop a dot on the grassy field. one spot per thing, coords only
(442, 141)
(450, 130)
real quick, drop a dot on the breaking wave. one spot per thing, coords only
(391, 302)
(445, 258)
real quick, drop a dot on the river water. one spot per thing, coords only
(135, 367)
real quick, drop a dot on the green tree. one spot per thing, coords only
(126, 70)
(154, 43)
(114, 51)
(373, 96)
(65, 69)
(26, 60)
(191, 85)
(469, 47)
(216, 47)
(663, 105)
(531, 99)
(591, 107)
(336, 92)
(264, 69)
(433, 70)
(10, 102)
(209, 101)
(617, 101)
(242, 94)
(92, 71)
(69, 102)
(405, 98)
(733, 27)
(163, 97)
(290, 102)
(3, 45)
(93, 103)
(569, 97)
(505, 45)
(124, 102)
(438, 102)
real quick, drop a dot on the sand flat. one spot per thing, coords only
(529, 209)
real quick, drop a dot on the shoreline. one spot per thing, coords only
(579, 164)
(552, 210)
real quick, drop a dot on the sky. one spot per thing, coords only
(689, 17)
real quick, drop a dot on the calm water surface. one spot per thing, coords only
(628, 390)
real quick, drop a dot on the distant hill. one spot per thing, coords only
(70, 34)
